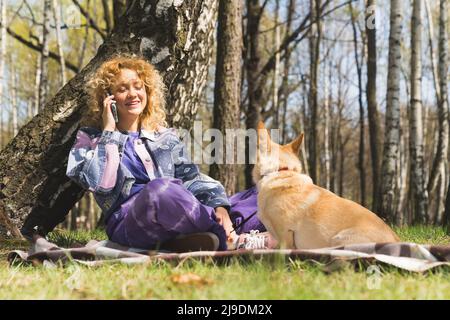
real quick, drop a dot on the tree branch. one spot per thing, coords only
(38, 47)
(90, 20)
(107, 16)
(293, 37)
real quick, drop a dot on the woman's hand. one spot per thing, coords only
(223, 219)
(108, 119)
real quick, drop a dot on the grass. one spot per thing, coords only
(239, 280)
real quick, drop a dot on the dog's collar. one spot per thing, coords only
(279, 169)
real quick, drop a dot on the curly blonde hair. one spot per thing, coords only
(153, 114)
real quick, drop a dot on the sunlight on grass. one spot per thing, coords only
(423, 234)
(277, 278)
(66, 238)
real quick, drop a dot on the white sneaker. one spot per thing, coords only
(253, 240)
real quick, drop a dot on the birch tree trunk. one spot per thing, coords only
(338, 165)
(440, 161)
(402, 168)
(446, 217)
(372, 105)
(389, 170)
(419, 191)
(303, 119)
(361, 160)
(43, 82)
(227, 88)
(57, 17)
(336, 131)
(176, 38)
(314, 50)
(440, 158)
(437, 214)
(2, 66)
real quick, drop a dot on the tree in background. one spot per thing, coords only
(313, 102)
(43, 73)
(443, 78)
(253, 69)
(389, 170)
(358, 62)
(419, 191)
(439, 165)
(227, 88)
(372, 105)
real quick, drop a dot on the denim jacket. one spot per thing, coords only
(95, 164)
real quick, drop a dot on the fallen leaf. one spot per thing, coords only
(189, 278)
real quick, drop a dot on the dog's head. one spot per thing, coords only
(272, 157)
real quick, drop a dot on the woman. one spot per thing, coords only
(151, 195)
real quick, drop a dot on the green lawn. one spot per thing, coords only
(240, 280)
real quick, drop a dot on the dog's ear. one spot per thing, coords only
(262, 129)
(296, 144)
(261, 125)
(264, 143)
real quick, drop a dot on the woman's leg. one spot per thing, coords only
(243, 211)
(244, 206)
(161, 211)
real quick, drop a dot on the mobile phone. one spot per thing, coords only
(114, 110)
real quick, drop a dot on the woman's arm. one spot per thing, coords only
(93, 162)
(223, 218)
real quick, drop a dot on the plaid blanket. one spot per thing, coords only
(406, 256)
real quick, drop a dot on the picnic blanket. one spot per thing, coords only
(407, 256)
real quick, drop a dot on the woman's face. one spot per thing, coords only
(130, 95)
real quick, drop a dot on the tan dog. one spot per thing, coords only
(302, 215)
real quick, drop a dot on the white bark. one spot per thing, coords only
(443, 78)
(392, 132)
(419, 192)
(302, 117)
(440, 163)
(314, 71)
(57, 17)
(402, 168)
(440, 195)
